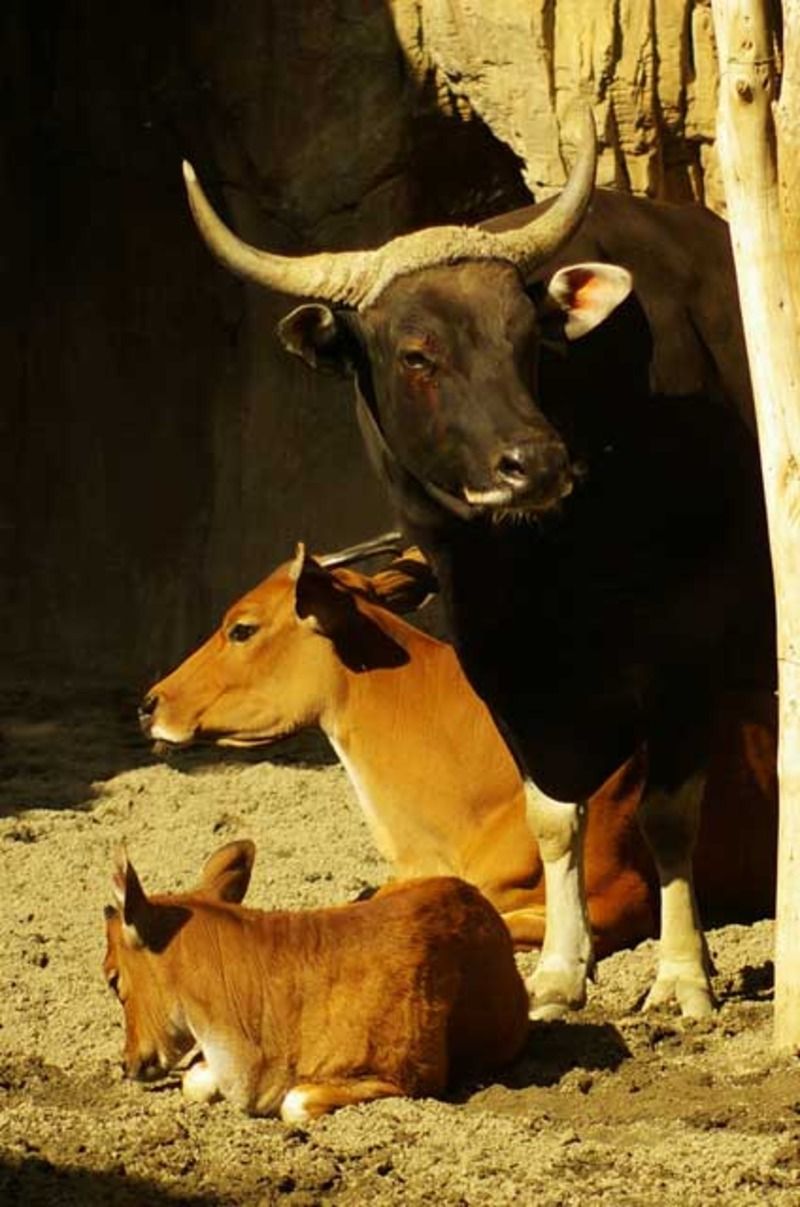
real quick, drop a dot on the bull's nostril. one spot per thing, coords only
(512, 467)
(148, 706)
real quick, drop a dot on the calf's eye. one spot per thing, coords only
(242, 632)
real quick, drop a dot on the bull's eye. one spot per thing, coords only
(113, 983)
(241, 632)
(416, 361)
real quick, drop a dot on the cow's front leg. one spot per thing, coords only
(567, 959)
(669, 821)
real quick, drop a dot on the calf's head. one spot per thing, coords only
(142, 965)
(443, 336)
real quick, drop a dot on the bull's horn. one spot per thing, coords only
(531, 246)
(338, 277)
(358, 278)
(387, 542)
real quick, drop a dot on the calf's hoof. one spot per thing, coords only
(199, 1083)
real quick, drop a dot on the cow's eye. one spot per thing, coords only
(241, 632)
(113, 983)
(416, 361)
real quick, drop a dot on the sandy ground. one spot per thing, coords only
(613, 1107)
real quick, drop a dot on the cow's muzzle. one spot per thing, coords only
(145, 713)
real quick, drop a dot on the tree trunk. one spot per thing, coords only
(749, 155)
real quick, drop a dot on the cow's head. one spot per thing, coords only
(442, 329)
(276, 665)
(140, 964)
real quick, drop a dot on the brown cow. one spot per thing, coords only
(299, 1013)
(437, 786)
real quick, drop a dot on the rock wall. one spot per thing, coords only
(158, 451)
(648, 69)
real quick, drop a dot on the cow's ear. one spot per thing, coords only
(135, 910)
(320, 337)
(319, 603)
(226, 874)
(584, 295)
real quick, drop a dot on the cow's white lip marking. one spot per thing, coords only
(162, 733)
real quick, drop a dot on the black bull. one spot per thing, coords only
(592, 508)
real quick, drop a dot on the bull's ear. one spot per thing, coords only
(320, 337)
(586, 294)
(135, 910)
(226, 874)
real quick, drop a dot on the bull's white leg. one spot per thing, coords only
(567, 959)
(669, 821)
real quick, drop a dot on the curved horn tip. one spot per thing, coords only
(189, 174)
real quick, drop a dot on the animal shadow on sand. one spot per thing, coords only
(554, 1049)
(36, 1182)
(59, 737)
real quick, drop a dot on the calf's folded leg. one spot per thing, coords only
(308, 1100)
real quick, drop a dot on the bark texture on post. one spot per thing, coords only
(749, 157)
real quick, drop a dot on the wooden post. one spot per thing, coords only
(747, 140)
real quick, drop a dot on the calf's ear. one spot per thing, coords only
(226, 874)
(584, 295)
(320, 337)
(135, 910)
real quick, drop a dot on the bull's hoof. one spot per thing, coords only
(687, 988)
(555, 992)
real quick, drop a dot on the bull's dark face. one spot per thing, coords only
(453, 353)
(447, 359)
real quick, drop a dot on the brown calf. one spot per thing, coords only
(299, 1013)
(439, 791)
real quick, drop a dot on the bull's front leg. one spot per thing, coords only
(567, 959)
(669, 821)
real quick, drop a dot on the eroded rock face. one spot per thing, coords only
(649, 70)
(161, 452)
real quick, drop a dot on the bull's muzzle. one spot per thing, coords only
(530, 474)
